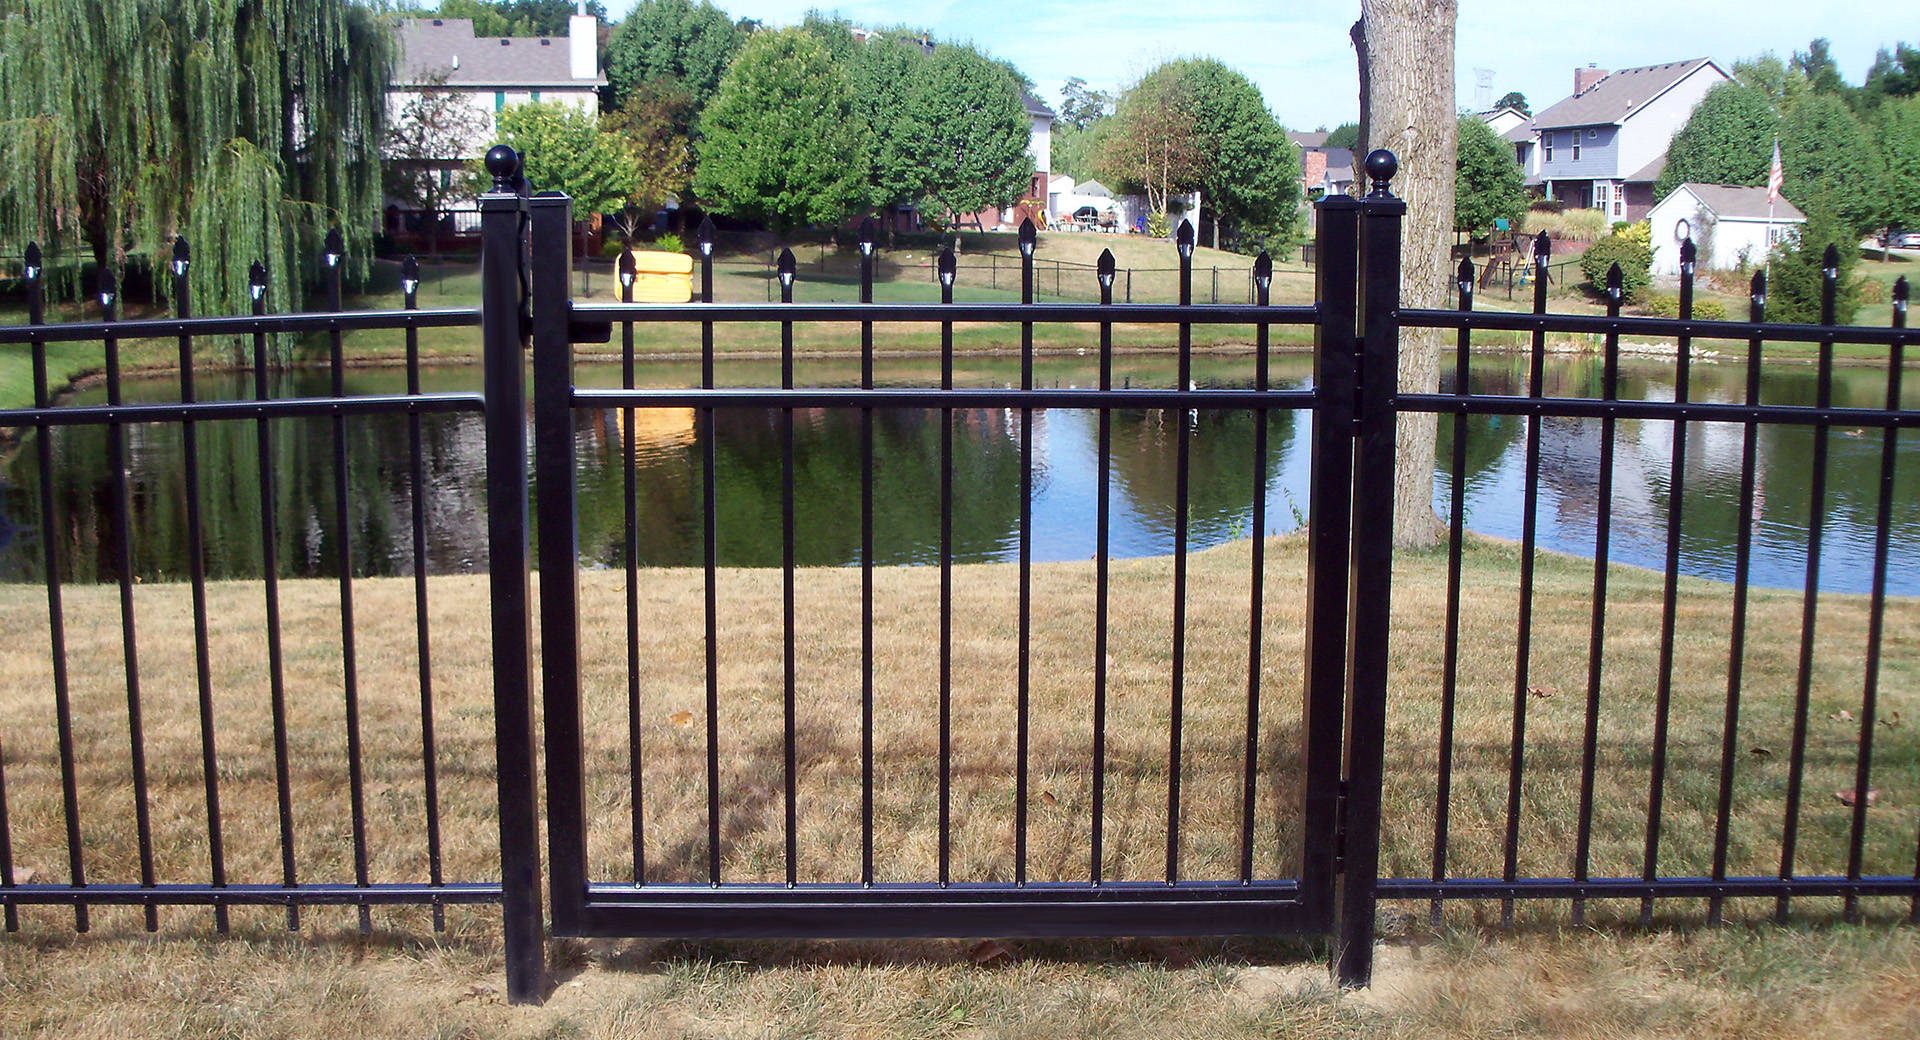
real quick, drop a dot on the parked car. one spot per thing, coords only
(1907, 240)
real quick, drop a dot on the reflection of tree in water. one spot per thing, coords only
(827, 479)
(1220, 460)
(307, 536)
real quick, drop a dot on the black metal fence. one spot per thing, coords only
(1076, 799)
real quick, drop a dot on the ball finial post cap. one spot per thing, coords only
(1381, 165)
(503, 163)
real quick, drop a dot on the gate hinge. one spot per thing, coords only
(1340, 830)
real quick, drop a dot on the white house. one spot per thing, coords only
(493, 72)
(1603, 147)
(1728, 224)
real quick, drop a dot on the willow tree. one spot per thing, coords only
(244, 125)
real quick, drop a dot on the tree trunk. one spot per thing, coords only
(1405, 48)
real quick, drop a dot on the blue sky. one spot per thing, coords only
(1299, 55)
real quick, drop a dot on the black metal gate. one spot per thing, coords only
(1342, 699)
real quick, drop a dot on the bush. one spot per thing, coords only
(669, 243)
(1868, 290)
(1661, 305)
(1620, 225)
(1546, 206)
(1795, 280)
(1633, 256)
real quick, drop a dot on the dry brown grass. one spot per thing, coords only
(406, 981)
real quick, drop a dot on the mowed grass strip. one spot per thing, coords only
(672, 753)
(1820, 979)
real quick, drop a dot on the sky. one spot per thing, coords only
(1299, 55)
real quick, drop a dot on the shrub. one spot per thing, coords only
(1661, 305)
(1546, 206)
(669, 243)
(1795, 280)
(1620, 225)
(1633, 256)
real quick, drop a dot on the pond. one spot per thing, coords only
(1144, 502)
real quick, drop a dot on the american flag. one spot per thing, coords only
(1775, 177)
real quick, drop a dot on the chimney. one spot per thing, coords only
(582, 37)
(1584, 79)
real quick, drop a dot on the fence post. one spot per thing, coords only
(1373, 491)
(551, 260)
(1329, 516)
(503, 338)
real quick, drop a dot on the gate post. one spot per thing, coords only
(503, 339)
(1329, 518)
(552, 262)
(1372, 582)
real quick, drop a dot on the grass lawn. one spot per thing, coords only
(1540, 978)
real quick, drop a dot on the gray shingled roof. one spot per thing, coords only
(1616, 95)
(1308, 138)
(1036, 107)
(1737, 202)
(431, 46)
(1522, 134)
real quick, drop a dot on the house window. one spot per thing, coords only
(1548, 147)
(1591, 134)
(1600, 196)
(499, 100)
(1576, 146)
(536, 97)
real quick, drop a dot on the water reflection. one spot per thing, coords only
(1144, 504)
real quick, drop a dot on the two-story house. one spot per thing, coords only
(1603, 147)
(491, 73)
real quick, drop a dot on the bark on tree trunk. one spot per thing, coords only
(1405, 49)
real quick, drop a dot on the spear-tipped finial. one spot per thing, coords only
(867, 237)
(410, 275)
(785, 267)
(1463, 275)
(33, 261)
(949, 265)
(1830, 262)
(1104, 268)
(1542, 248)
(257, 280)
(1757, 289)
(704, 235)
(1900, 295)
(336, 247)
(628, 272)
(1183, 238)
(182, 256)
(1028, 236)
(1617, 282)
(108, 288)
(1263, 270)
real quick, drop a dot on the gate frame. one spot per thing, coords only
(1349, 556)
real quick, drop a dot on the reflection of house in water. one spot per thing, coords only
(1570, 451)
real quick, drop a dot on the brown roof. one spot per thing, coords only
(1739, 202)
(431, 46)
(1618, 95)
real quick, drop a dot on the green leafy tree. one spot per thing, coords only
(1817, 65)
(1487, 181)
(1251, 173)
(674, 40)
(1153, 147)
(1831, 163)
(650, 125)
(834, 33)
(1081, 106)
(1727, 140)
(1346, 135)
(1894, 74)
(1515, 100)
(1897, 128)
(781, 143)
(886, 80)
(239, 125)
(970, 133)
(518, 17)
(564, 149)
